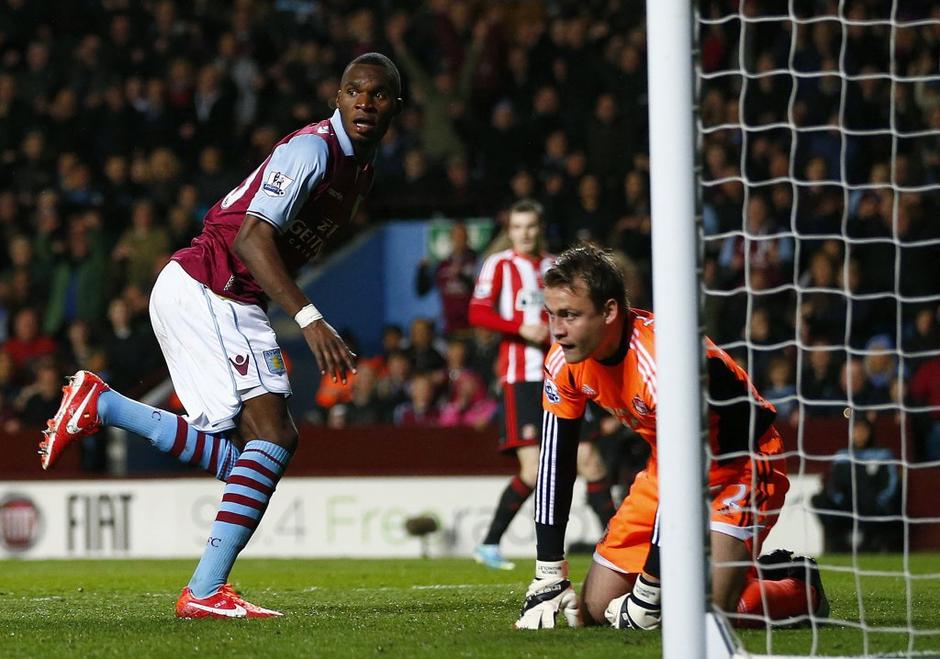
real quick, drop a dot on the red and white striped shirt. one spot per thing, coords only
(509, 294)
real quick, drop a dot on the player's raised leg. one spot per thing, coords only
(88, 404)
(271, 438)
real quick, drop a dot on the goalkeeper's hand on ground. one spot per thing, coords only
(640, 609)
(549, 593)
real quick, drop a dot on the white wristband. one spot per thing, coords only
(551, 569)
(309, 314)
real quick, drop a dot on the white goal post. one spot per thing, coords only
(678, 337)
(873, 151)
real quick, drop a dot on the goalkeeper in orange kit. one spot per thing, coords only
(604, 351)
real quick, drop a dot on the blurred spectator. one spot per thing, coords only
(922, 336)
(393, 385)
(468, 404)
(758, 248)
(820, 381)
(142, 245)
(26, 346)
(925, 391)
(131, 349)
(484, 354)
(441, 94)
(782, 390)
(631, 233)
(862, 484)
(420, 408)
(590, 211)
(78, 277)
(82, 352)
(823, 308)
(423, 351)
(454, 278)
(38, 402)
(393, 340)
(365, 407)
(881, 368)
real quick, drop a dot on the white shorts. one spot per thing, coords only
(219, 352)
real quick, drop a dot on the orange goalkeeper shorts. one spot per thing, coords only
(745, 504)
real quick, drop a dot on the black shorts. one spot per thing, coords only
(520, 416)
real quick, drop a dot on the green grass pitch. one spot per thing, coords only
(407, 608)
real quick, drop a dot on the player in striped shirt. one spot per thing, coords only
(604, 352)
(208, 310)
(508, 298)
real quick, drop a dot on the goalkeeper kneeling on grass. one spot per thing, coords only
(604, 351)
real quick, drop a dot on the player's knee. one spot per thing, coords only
(725, 596)
(592, 609)
(528, 474)
(286, 436)
(277, 431)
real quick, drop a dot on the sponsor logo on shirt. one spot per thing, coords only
(310, 240)
(529, 299)
(274, 361)
(551, 391)
(276, 184)
(588, 390)
(640, 406)
(623, 416)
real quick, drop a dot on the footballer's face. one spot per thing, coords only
(367, 101)
(577, 325)
(523, 229)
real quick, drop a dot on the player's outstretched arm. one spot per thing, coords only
(255, 246)
(550, 590)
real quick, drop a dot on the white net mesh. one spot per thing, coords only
(819, 128)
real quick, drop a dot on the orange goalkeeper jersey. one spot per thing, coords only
(625, 385)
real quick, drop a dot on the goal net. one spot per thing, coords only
(818, 139)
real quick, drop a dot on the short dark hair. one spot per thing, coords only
(528, 206)
(593, 267)
(380, 60)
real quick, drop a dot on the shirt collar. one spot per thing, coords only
(344, 142)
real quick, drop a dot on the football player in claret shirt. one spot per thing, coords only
(208, 310)
(604, 351)
(508, 299)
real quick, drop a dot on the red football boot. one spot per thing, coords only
(76, 417)
(225, 603)
(254, 611)
(218, 605)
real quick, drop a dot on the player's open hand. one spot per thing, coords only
(331, 352)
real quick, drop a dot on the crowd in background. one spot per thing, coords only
(122, 122)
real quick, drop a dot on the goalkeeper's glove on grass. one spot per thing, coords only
(549, 593)
(639, 609)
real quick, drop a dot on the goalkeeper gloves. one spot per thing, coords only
(640, 609)
(549, 593)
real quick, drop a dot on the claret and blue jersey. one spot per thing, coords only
(308, 188)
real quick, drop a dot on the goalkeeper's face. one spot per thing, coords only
(578, 326)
